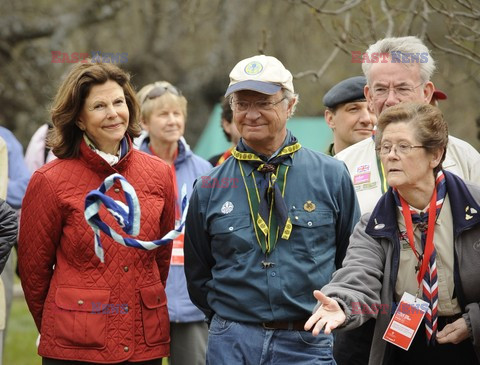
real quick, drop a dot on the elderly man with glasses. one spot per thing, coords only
(255, 249)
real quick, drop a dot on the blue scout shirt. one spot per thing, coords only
(223, 260)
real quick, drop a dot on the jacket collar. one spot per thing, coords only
(248, 168)
(465, 210)
(184, 151)
(98, 164)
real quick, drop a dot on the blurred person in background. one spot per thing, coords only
(231, 133)
(38, 153)
(18, 178)
(8, 237)
(347, 114)
(164, 115)
(421, 240)
(85, 310)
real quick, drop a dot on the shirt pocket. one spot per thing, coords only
(78, 321)
(156, 324)
(232, 235)
(315, 229)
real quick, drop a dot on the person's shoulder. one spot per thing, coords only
(149, 161)
(460, 144)
(311, 156)
(366, 145)
(201, 161)
(10, 139)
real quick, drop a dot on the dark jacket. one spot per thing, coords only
(8, 231)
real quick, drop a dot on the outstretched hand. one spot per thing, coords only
(329, 315)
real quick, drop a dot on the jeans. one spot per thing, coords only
(235, 343)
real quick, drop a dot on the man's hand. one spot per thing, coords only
(328, 315)
(454, 332)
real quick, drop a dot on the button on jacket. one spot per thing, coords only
(86, 310)
(223, 260)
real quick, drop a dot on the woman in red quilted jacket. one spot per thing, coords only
(88, 311)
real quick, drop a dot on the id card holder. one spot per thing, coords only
(405, 321)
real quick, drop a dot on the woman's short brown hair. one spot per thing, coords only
(429, 126)
(66, 136)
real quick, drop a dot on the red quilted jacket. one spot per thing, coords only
(86, 310)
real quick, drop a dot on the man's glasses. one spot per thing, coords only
(158, 91)
(242, 106)
(381, 91)
(400, 149)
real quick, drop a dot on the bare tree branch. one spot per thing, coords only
(349, 5)
(388, 14)
(452, 51)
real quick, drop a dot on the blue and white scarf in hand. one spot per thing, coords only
(127, 216)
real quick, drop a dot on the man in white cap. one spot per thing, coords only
(276, 227)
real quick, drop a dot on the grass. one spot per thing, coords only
(20, 348)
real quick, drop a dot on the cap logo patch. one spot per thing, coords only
(253, 68)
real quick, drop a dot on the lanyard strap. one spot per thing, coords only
(266, 232)
(429, 245)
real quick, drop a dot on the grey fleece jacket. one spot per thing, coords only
(369, 273)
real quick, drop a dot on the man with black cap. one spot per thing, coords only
(347, 114)
(279, 227)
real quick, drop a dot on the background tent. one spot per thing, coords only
(312, 132)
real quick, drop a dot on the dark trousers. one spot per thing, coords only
(447, 354)
(353, 347)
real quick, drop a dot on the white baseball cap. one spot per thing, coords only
(264, 74)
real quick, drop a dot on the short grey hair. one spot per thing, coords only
(402, 45)
(288, 95)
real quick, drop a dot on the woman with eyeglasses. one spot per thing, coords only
(86, 310)
(417, 252)
(164, 113)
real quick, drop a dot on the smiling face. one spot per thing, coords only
(104, 116)
(351, 123)
(413, 170)
(403, 82)
(166, 122)
(262, 130)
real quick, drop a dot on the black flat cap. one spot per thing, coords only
(345, 91)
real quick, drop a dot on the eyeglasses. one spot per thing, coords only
(400, 149)
(158, 91)
(240, 106)
(381, 91)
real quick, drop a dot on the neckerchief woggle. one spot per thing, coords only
(267, 206)
(127, 216)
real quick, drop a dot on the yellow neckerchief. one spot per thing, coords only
(270, 230)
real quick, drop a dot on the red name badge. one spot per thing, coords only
(177, 251)
(406, 320)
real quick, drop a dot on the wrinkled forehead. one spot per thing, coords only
(394, 73)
